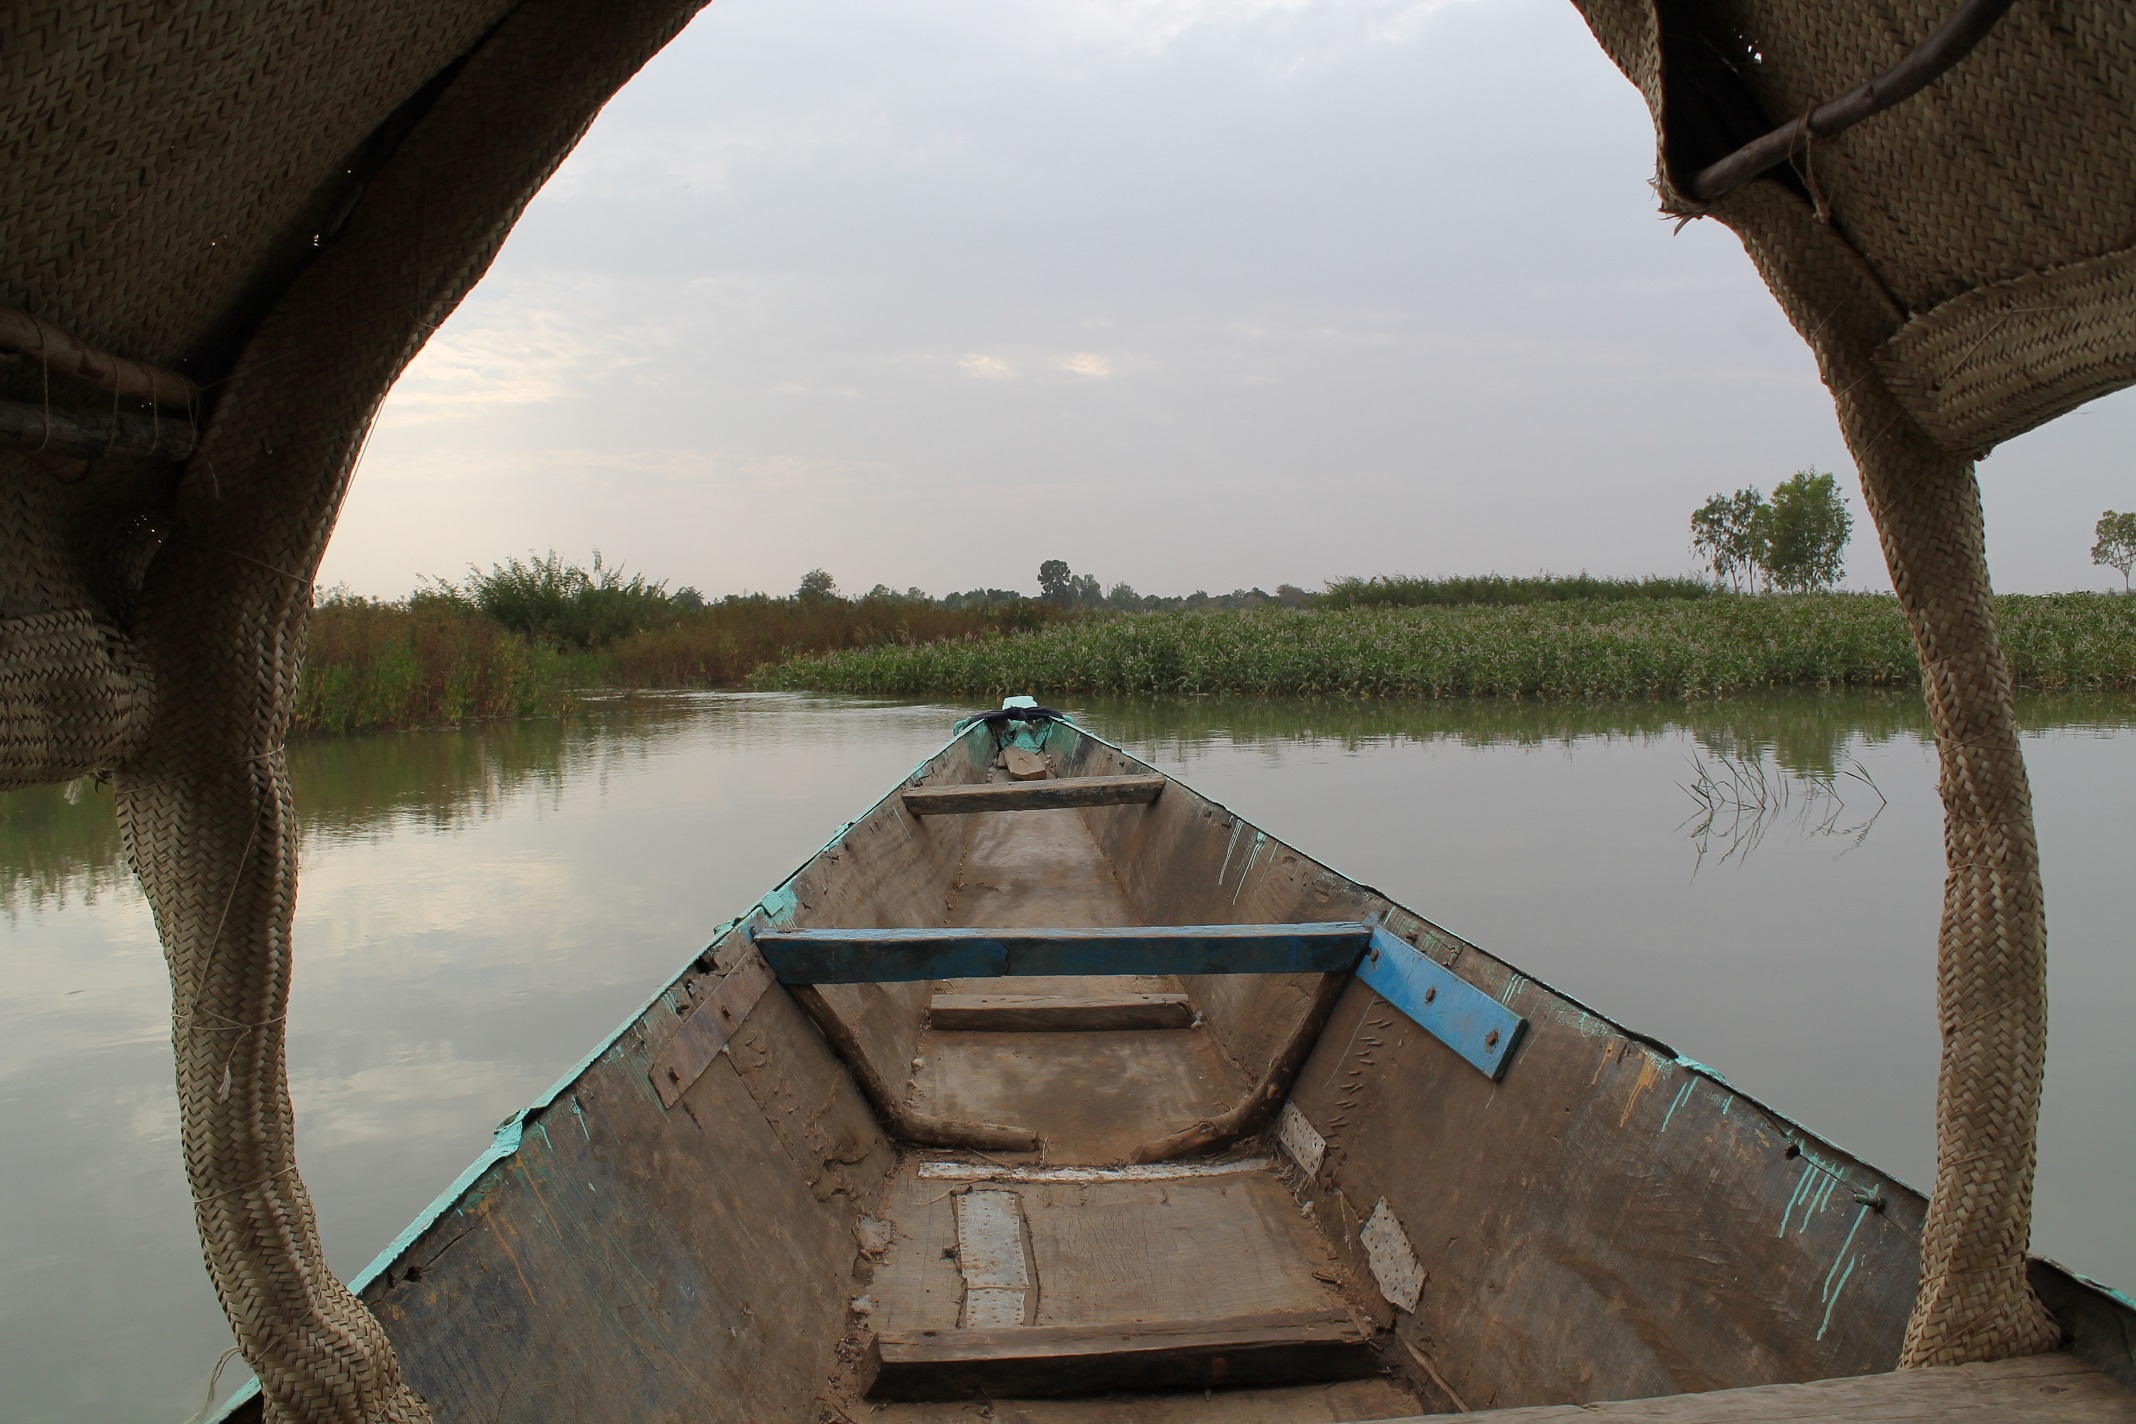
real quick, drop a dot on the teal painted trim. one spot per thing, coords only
(867, 956)
(2119, 1297)
(1442, 1003)
(1694, 1066)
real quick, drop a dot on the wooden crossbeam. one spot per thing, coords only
(1298, 1347)
(56, 349)
(1057, 1013)
(95, 434)
(904, 955)
(1033, 795)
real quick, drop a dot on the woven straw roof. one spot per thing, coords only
(1996, 209)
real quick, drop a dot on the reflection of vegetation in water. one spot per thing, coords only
(1736, 801)
(1806, 732)
(1786, 757)
(57, 844)
(54, 849)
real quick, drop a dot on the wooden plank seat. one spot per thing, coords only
(1065, 792)
(1057, 1013)
(1290, 1347)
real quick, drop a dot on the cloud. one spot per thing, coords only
(1304, 30)
(991, 368)
(526, 351)
(1085, 363)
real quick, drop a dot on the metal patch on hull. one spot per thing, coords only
(991, 1258)
(1300, 1140)
(1393, 1260)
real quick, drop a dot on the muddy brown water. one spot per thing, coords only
(478, 908)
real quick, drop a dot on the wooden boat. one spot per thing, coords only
(1049, 1090)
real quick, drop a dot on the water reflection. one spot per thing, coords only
(1807, 733)
(1759, 762)
(1736, 801)
(61, 843)
(478, 908)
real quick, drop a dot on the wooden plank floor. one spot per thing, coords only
(1096, 1095)
(1100, 1253)
(2038, 1389)
(1114, 1252)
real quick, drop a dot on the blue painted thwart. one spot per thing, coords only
(902, 955)
(1457, 1013)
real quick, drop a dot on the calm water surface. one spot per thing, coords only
(478, 908)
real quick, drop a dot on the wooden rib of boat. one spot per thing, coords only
(1082, 1098)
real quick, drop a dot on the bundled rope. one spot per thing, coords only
(204, 802)
(1845, 273)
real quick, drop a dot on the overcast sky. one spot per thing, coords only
(1190, 293)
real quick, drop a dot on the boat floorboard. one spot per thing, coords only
(1169, 1252)
(1337, 1403)
(1113, 1252)
(1029, 869)
(2037, 1389)
(1093, 1096)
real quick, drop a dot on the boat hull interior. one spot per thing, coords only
(1160, 1197)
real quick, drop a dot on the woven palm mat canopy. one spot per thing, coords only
(228, 226)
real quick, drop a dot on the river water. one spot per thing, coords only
(477, 908)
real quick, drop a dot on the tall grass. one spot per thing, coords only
(438, 659)
(726, 641)
(428, 662)
(1401, 591)
(1605, 649)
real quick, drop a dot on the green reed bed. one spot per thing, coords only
(1405, 591)
(372, 666)
(1601, 648)
(441, 660)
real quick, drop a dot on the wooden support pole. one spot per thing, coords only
(95, 435)
(63, 354)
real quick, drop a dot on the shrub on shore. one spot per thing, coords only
(426, 662)
(1639, 648)
(726, 641)
(438, 658)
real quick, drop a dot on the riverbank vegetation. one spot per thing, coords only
(526, 638)
(1595, 648)
(1400, 591)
